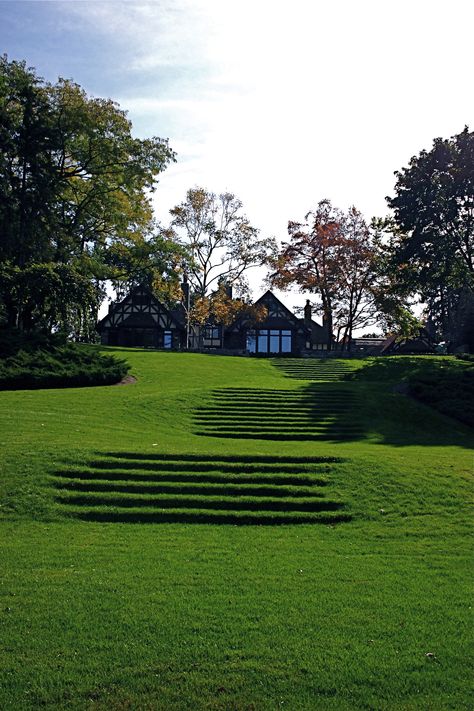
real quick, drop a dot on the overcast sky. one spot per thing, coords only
(282, 103)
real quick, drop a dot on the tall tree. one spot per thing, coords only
(222, 242)
(73, 181)
(433, 228)
(359, 260)
(333, 255)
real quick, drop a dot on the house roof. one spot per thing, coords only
(138, 319)
(417, 344)
(280, 313)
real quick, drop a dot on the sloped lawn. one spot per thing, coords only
(191, 541)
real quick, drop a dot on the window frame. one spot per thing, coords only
(263, 341)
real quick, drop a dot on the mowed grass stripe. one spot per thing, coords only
(209, 488)
(285, 486)
(277, 477)
(283, 435)
(236, 503)
(289, 428)
(157, 466)
(237, 459)
(103, 514)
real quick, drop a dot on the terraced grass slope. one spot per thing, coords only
(100, 612)
(327, 369)
(312, 413)
(129, 487)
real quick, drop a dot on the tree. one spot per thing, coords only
(432, 228)
(73, 182)
(221, 309)
(358, 264)
(222, 242)
(155, 260)
(333, 255)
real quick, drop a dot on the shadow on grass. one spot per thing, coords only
(326, 369)
(315, 412)
(127, 487)
(393, 369)
(204, 518)
(370, 406)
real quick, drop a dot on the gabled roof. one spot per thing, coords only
(269, 298)
(416, 344)
(114, 308)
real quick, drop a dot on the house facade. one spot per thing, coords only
(141, 320)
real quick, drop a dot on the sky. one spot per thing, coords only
(281, 103)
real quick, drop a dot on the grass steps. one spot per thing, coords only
(148, 475)
(281, 435)
(102, 514)
(324, 369)
(237, 460)
(316, 412)
(277, 477)
(223, 502)
(127, 487)
(208, 488)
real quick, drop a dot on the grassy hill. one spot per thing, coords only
(231, 533)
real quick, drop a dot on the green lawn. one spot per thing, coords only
(232, 533)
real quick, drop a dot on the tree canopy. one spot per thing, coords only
(222, 242)
(74, 184)
(433, 229)
(334, 255)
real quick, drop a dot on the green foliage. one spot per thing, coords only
(445, 383)
(397, 319)
(73, 181)
(222, 242)
(156, 261)
(452, 394)
(14, 340)
(433, 228)
(469, 357)
(46, 362)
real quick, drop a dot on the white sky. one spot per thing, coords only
(282, 103)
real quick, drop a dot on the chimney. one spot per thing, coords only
(229, 290)
(185, 290)
(307, 313)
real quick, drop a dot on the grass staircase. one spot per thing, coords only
(129, 487)
(325, 369)
(315, 412)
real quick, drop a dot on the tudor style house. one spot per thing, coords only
(141, 320)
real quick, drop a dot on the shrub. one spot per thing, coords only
(469, 357)
(450, 391)
(49, 362)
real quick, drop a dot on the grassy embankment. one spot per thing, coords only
(360, 600)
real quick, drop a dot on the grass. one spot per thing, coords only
(231, 533)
